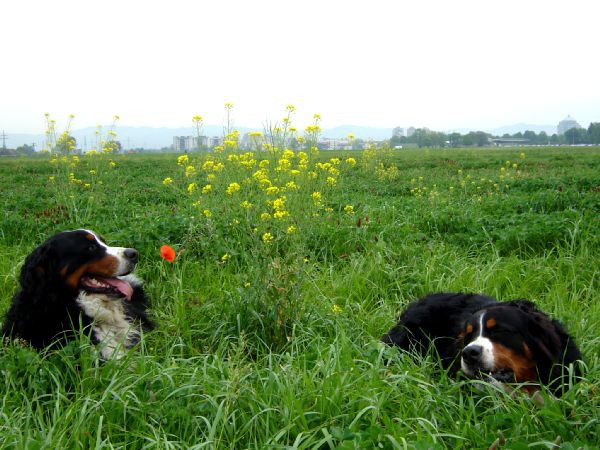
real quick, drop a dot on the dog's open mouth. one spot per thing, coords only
(115, 287)
(501, 375)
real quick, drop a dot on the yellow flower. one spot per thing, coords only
(279, 203)
(225, 257)
(189, 171)
(191, 187)
(316, 196)
(206, 189)
(92, 172)
(280, 214)
(246, 204)
(351, 161)
(182, 160)
(267, 237)
(211, 177)
(331, 181)
(112, 164)
(349, 209)
(87, 185)
(207, 213)
(291, 185)
(197, 119)
(51, 179)
(291, 229)
(167, 181)
(273, 190)
(246, 284)
(232, 188)
(336, 309)
(265, 216)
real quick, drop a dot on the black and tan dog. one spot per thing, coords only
(75, 280)
(503, 341)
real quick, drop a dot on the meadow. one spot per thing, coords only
(289, 267)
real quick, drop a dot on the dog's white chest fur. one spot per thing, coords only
(110, 326)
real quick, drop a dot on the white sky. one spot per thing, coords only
(440, 64)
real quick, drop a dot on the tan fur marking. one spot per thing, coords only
(490, 323)
(469, 328)
(523, 366)
(104, 267)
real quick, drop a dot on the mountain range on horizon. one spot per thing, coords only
(157, 138)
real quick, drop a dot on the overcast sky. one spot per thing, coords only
(441, 64)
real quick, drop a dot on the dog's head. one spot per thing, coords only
(80, 260)
(511, 342)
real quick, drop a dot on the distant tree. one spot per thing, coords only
(542, 138)
(396, 141)
(576, 136)
(454, 139)
(476, 138)
(358, 144)
(25, 150)
(114, 146)
(593, 132)
(555, 139)
(65, 144)
(530, 136)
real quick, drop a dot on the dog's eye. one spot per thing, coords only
(92, 248)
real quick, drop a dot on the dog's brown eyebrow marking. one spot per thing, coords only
(90, 237)
(469, 328)
(490, 323)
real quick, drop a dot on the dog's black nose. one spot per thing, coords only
(131, 254)
(472, 353)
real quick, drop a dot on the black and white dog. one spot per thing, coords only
(502, 341)
(74, 281)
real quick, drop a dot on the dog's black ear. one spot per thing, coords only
(39, 268)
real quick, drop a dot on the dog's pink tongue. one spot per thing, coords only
(121, 285)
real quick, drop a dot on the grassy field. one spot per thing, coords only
(288, 272)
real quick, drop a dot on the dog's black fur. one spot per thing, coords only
(60, 294)
(515, 341)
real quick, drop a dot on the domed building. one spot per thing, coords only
(566, 124)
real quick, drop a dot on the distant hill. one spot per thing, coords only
(157, 138)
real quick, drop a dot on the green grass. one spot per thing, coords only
(278, 346)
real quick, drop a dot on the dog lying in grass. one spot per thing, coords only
(506, 342)
(74, 281)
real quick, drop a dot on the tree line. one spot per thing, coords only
(423, 137)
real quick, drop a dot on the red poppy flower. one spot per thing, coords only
(167, 252)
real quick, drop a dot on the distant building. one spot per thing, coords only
(410, 131)
(398, 132)
(185, 143)
(191, 143)
(334, 144)
(566, 124)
